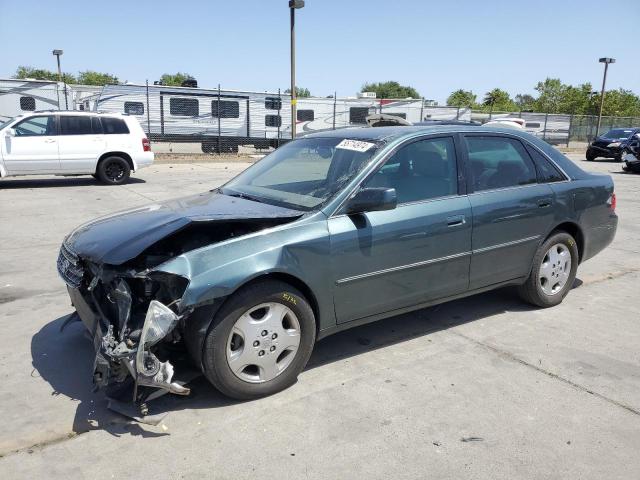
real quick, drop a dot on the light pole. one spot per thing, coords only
(606, 61)
(57, 54)
(293, 5)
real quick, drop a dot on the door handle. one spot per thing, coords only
(50, 140)
(545, 202)
(455, 220)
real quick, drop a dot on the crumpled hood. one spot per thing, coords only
(119, 237)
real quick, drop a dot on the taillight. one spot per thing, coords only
(146, 145)
(612, 202)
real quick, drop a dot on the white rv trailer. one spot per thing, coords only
(206, 116)
(19, 96)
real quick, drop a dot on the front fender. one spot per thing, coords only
(300, 250)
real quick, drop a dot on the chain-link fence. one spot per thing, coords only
(223, 120)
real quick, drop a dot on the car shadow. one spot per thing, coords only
(65, 359)
(58, 182)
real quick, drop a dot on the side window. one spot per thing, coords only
(273, 120)
(305, 115)
(27, 104)
(134, 108)
(96, 126)
(36, 127)
(114, 126)
(547, 172)
(420, 171)
(272, 103)
(225, 109)
(75, 125)
(498, 162)
(184, 107)
(358, 115)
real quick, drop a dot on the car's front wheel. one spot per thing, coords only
(260, 341)
(113, 170)
(553, 271)
(591, 156)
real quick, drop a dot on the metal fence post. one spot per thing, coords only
(219, 126)
(422, 109)
(148, 113)
(544, 132)
(569, 133)
(280, 121)
(458, 113)
(335, 99)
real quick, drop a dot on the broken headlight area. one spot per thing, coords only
(136, 321)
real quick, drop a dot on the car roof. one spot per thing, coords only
(75, 112)
(388, 134)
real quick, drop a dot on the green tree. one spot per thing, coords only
(621, 103)
(551, 95)
(390, 89)
(174, 79)
(90, 77)
(461, 98)
(42, 74)
(524, 101)
(498, 100)
(300, 92)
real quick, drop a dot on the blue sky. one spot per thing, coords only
(437, 47)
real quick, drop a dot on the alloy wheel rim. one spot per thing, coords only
(114, 171)
(555, 269)
(263, 342)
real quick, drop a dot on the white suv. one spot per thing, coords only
(107, 146)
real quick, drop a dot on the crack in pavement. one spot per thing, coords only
(511, 357)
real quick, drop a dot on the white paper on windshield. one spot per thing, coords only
(355, 145)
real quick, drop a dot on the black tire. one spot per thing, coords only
(214, 355)
(531, 291)
(591, 157)
(113, 170)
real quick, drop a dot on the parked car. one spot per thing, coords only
(631, 154)
(330, 231)
(109, 147)
(513, 122)
(611, 144)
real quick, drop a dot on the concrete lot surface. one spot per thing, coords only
(484, 387)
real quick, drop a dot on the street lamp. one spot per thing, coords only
(606, 61)
(57, 54)
(293, 5)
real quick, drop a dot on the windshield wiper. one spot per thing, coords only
(245, 196)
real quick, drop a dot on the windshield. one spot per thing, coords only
(4, 123)
(303, 174)
(618, 133)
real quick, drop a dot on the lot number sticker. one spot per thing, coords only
(355, 145)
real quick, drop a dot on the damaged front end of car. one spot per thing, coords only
(133, 316)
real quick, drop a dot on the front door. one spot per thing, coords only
(511, 211)
(418, 252)
(81, 142)
(34, 147)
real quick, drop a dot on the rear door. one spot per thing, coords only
(511, 210)
(34, 148)
(81, 142)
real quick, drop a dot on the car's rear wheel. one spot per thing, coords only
(553, 271)
(260, 341)
(114, 170)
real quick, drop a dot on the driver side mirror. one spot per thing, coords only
(373, 200)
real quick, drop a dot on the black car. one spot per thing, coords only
(611, 144)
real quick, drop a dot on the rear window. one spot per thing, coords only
(134, 108)
(114, 126)
(75, 125)
(184, 107)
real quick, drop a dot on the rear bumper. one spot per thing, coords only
(144, 160)
(600, 237)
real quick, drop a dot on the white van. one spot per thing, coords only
(109, 147)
